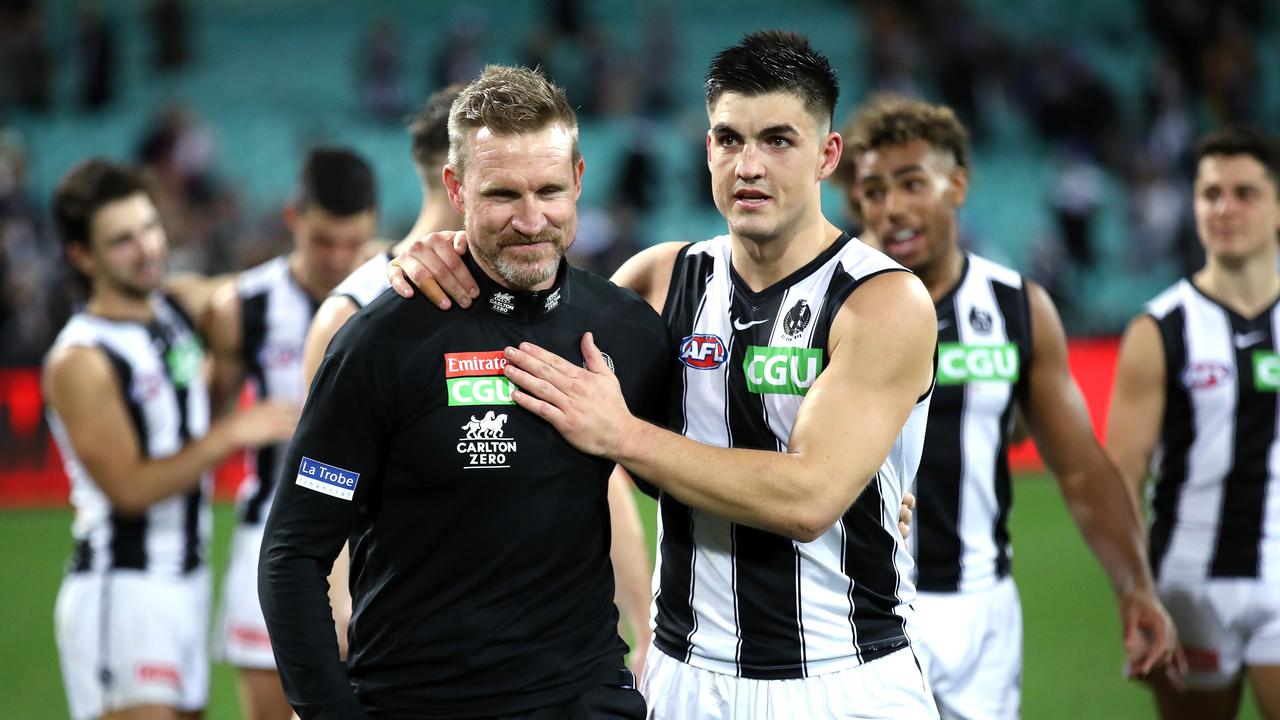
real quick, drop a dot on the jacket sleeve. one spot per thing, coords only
(332, 467)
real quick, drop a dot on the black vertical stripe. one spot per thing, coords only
(869, 560)
(938, 546)
(674, 603)
(764, 562)
(128, 540)
(1015, 310)
(171, 335)
(1177, 433)
(1240, 525)
(253, 323)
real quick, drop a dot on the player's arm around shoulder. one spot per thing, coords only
(329, 319)
(1137, 402)
(648, 272)
(223, 331)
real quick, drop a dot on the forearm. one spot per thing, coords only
(1103, 509)
(779, 492)
(293, 590)
(631, 569)
(150, 481)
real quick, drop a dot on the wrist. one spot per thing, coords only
(628, 442)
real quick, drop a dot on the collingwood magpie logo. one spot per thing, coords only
(980, 320)
(796, 320)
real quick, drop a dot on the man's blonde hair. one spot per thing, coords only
(508, 101)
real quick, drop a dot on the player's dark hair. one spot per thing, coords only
(84, 190)
(337, 181)
(1243, 140)
(775, 61)
(888, 120)
(430, 131)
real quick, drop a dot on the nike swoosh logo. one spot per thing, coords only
(1247, 339)
(743, 326)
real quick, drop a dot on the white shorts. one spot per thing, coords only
(1224, 624)
(127, 638)
(241, 637)
(891, 687)
(971, 648)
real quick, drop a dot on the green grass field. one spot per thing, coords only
(1073, 655)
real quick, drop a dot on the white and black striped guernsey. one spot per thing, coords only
(961, 537)
(367, 282)
(275, 315)
(1216, 502)
(739, 600)
(160, 369)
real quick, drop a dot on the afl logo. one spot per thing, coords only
(796, 320)
(703, 352)
(1205, 375)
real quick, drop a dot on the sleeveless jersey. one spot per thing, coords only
(740, 600)
(159, 366)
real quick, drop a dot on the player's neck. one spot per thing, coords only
(435, 215)
(114, 305)
(312, 291)
(941, 277)
(762, 264)
(1248, 288)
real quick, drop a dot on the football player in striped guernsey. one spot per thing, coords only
(130, 413)
(1195, 407)
(256, 328)
(1001, 348)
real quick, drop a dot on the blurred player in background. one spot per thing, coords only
(1195, 405)
(1001, 347)
(256, 329)
(130, 413)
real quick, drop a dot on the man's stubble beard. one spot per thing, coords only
(525, 276)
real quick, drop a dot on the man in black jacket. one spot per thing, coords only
(481, 581)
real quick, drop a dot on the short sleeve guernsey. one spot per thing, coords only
(480, 571)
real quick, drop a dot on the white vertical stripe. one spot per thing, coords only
(981, 433)
(1208, 342)
(1269, 552)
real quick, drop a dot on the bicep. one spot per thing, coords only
(1137, 400)
(1056, 412)
(330, 318)
(223, 330)
(86, 394)
(881, 363)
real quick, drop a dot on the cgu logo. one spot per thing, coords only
(1205, 375)
(959, 363)
(702, 352)
(781, 370)
(1266, 371)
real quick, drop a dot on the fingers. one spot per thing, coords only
(460, 242)
(396, 276)
(544, 410)
(543, 390)
(545, 361)
(909, 500)
(592, 356)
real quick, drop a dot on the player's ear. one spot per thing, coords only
(958, 185)
(832, 148)
(78, 254)
(290, 214)
(453, 187)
